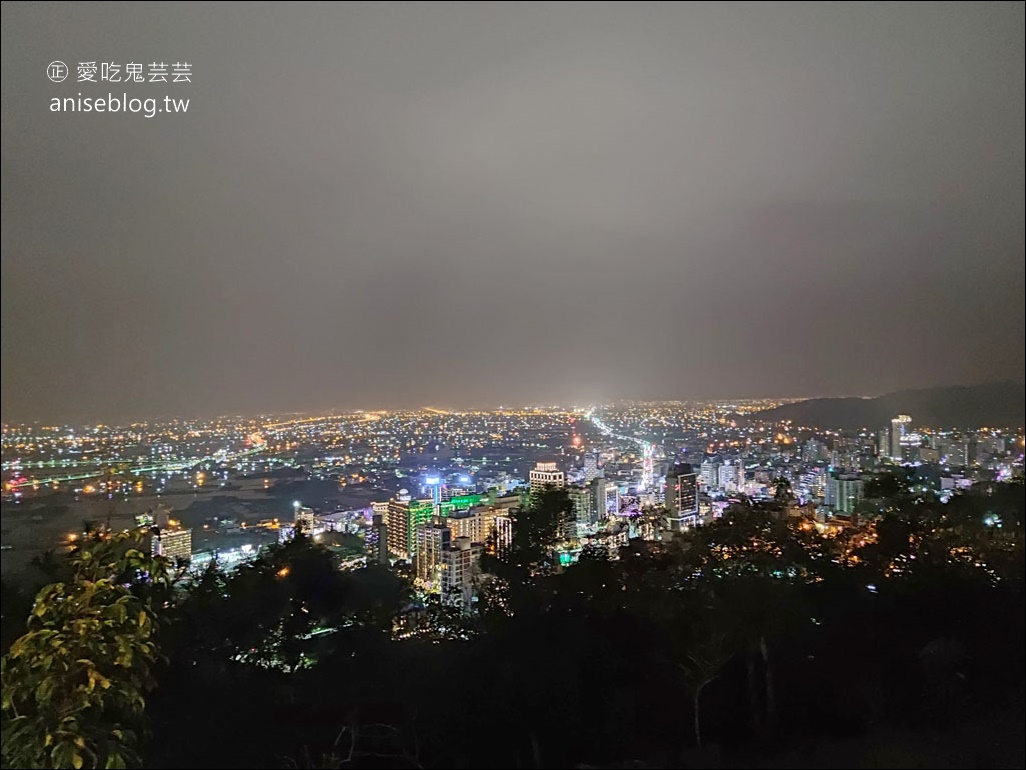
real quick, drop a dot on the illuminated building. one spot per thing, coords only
(814, 451)
(591, 467)
(844, 454)
(465, 524)
(504, 501)
(433, 539)
(460, 566)
(305, 520)
(173, 544)
(612, 540)
(457, 503)
(597, 512)
(612, 500)
(381, 509)
(503, 537)
(818, 482)
(341, 521)
(844, 491)
(681, 497)
(730, 474)
(710, 471)
(476, 523)
(435, 486)
(581, 500)
(546, 475)
(404, 515)
(954, 453)
(900, 427)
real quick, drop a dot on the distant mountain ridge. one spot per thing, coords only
(998, 405)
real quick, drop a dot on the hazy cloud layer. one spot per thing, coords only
(394, 205)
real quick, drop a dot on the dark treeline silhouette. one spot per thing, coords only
(754, 640)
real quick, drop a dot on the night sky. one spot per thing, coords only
(381, 206)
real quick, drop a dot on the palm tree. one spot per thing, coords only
(708, 653)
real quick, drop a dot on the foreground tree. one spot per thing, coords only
(73, 685)
(708, 648)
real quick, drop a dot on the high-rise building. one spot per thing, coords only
(477, 523)
(502, 539)
(612, 500)
(844, 491)
(504, 501)
(900, 427)
(581, 499)
(460, 566)
(818, 485)
(710, 472)
(729, 473)
(380, 530)
(597, 488)
(305, 520)
(465, 524)
(173, 544)
(591, 467)
(883, 442)
(433, 539)
(545, 475)
(404, 515)
(436, 489)
(813, 451)
(682, 497)
(955, 453)
(568, 528)
(845, 453)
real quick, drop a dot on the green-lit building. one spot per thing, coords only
(404, 515)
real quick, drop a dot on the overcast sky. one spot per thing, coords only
(387, 205)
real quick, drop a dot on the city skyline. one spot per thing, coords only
(384, 206)
(1002, 391)
(531, 385)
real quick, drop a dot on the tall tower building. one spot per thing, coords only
(682, 497)
(612, 500)
(710, 471)
(437, 490)
(502, 536)
(729, 477)
(459, 568)
(900, 426)
(591, 467)
(433, 539)
(844, 491)
(581, 499)
(546, 475)
(380, 530)
(597, 488)
(404, 515)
